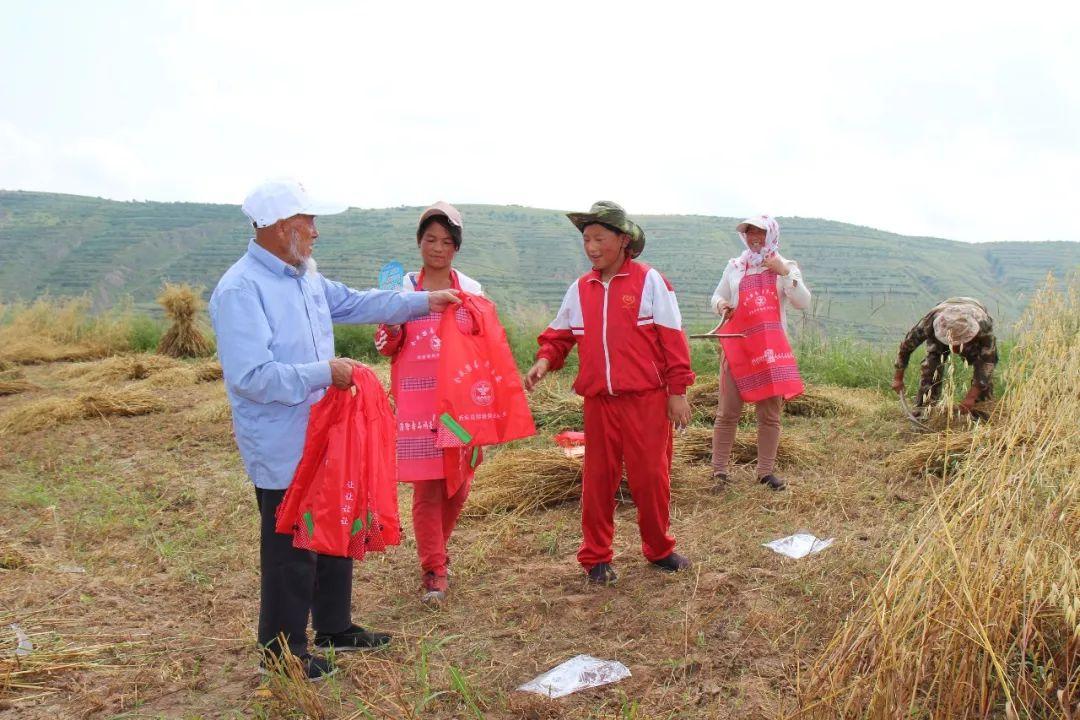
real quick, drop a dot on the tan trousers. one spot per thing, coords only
(727, 421)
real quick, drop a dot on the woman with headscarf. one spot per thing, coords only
(439, 478)
(760, 366)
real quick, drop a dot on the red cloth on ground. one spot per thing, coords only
(434, 517)
(762, 363)
(633, 429)
(343, 497)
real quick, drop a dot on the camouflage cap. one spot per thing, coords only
(606, 212)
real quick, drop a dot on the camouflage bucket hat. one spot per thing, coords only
(608, 213)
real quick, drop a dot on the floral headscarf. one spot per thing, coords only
(749, 258)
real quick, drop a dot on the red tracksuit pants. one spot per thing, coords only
(434, 517)
(633, 429)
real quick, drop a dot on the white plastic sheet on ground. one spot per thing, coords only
(25, 647)
(799, 545)
(577, 673)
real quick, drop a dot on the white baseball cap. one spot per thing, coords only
(276, 200)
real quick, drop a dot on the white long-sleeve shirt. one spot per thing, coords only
(790, 288)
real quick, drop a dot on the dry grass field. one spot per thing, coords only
(128, 557)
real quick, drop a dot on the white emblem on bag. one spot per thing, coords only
(481, 393)
(770, 356)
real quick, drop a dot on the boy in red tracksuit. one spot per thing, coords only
(634, 371)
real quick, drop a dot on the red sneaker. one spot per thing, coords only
(435, 589)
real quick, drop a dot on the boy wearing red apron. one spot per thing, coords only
(440, 480)
(759, 367)
(634, 370)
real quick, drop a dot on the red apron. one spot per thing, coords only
(762, 362)
(413, 382)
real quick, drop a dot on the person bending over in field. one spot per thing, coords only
(958, 325)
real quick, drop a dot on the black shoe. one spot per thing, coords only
(773, 482)
(672, 563)
(354, 638)
(315, 668)
(720, 482)
(602, 574)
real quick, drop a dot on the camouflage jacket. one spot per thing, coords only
(980, 353)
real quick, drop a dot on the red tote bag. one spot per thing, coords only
(481, 400)
(343, 497)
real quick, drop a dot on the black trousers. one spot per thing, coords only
(296, 583)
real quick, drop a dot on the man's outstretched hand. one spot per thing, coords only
(439, 300)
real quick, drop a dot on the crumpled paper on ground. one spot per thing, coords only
(577, 673)
(799, 545)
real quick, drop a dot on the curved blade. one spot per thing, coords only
(911, 416)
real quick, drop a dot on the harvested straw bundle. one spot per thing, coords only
(694, 446)
(52, 330)
(13, 382)
(208, 371)
(182, 304)
(936, 454)
(181, 376)
(13, 386)
(817, 401)
(979, 613)
(37, 349)
(556, 406)
(53, 411)
(120, 401)
(37, 414)
(525, 480)
(211, 411)
(703, 397)
(119, 368)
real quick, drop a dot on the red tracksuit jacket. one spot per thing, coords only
(629, 334)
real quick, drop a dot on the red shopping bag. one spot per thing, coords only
(481, 400)
(343, 497)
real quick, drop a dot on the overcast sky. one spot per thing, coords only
(959, 121)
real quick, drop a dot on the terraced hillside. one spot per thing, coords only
(867, 282)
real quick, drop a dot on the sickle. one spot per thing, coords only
(718, 336)
(906, 409)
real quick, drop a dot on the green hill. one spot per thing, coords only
(866, 282)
